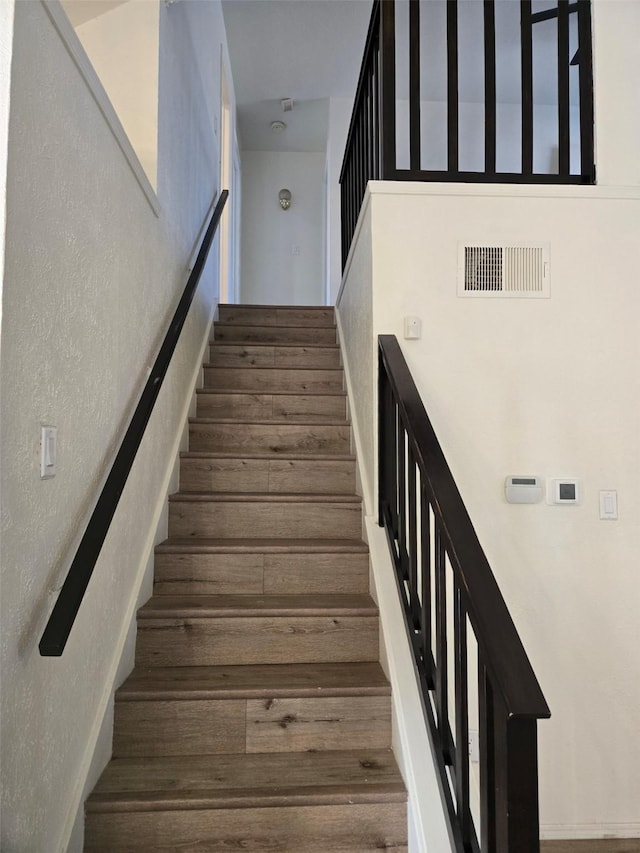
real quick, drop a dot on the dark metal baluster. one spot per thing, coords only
(357, 151)
(462, 717)
(388, 77)
(363, 149)
(370, 124)
(376, 111)
(452, 86)
(414, 85)
(413, 542)
(487, 760)
(526, 41)
(402, 500)
(384, 440)
(442, 698)
(564, 131)
(490, 118)
(425, 548)
(392, 463)
(585, 48)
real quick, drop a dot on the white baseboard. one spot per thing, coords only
(577, 831)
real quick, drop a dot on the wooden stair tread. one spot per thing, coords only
(274, 454)
(284, 456)
(273, 546)
(255, 682)
(242, 393)
(296, 421)
(267, 345)
(272, 367)
(240, 780)
(263, 497)
(234, 606)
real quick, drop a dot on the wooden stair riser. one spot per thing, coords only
(287, 380)
(237, 333)
(219, 474)
(219, 437)
(256, 640)
(286, 407)
(263, 315)
(210, 726)
(262, 355)
(258, 574)
(356, 828)
(264, 519)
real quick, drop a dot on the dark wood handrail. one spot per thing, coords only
(492, 622)
(68, 603)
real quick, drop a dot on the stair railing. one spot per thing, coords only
(391, 135)
(473, 672)
(65, 610)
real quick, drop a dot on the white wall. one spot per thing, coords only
(92, 276)
(616, 31)
(545, 387)
(271, 273)
(122, 45)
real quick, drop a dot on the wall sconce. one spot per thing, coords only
(284, 197)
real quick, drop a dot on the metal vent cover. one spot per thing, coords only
(507, 271)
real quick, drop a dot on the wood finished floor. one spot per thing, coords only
(595, 845)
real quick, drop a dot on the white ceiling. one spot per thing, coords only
(311, 50)
(308, 50)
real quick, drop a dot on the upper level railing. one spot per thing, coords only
(471, 92)
(476, 681)
(68, 603)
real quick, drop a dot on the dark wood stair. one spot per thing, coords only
(257, 717)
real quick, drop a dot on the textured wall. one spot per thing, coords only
(91, 277)
(6, 44)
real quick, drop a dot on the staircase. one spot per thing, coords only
(257, 717)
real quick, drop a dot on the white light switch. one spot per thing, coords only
(608, 505)
(48, 452)
(412, 328)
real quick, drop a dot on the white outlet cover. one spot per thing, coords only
(412, 328)
(48, 452)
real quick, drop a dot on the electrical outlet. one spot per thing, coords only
(474, 747)
(48, 452)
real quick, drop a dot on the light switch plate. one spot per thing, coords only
(48, 452)
(608, 505)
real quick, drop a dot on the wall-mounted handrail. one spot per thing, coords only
(68, 603)
(449, 595)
